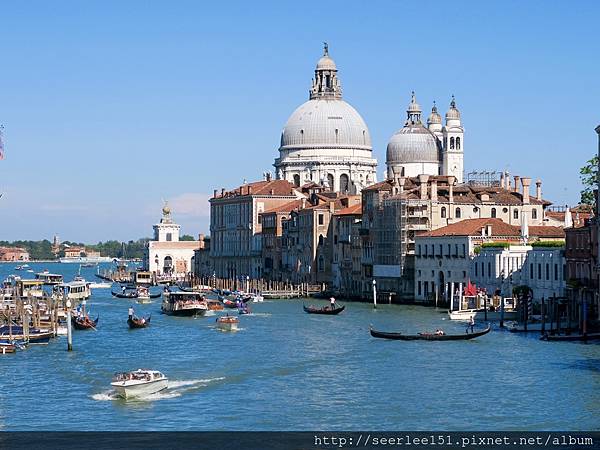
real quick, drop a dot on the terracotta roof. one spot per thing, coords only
(381, 186)
(285, 208)
(261, 188)
(350, 211)
(472, 227)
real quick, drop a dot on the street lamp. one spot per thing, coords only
(374, 294)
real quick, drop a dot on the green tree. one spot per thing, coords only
(187, 237)
(589, 175)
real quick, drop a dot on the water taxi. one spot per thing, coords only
(141, 277)
(139, 383)
(184, 304)
(476, 307)
(228, 323)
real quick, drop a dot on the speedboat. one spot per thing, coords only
(256, 298)
(228, 323)
(139, 383)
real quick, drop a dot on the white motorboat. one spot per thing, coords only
(139, 383)
(256, 298)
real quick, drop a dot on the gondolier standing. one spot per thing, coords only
(332, 302)
(131, 313)
(471, 324)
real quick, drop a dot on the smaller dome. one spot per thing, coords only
(453, 112)
(434, 117)
(413, 144)
(326, 63)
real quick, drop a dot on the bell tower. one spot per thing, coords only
(453, 144)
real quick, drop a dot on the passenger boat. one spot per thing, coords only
(84, 322)
(183, 304)
(144, 295)
(49, 278)
(324, 310)
(570, 337)
(100, 285)
(228, 323)
(428, 336)
(257, 298)
(142, 277)
(139, 383)
(138, 322)
(75, 290)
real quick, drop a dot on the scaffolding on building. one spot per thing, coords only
(485, 178)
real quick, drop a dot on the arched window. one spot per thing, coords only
(451, 143)
(321, 239)
(169, 237)
(297, 180)
(457, 215)
(344, 183)
(321, 264)
(516, 213)
(330, 181)
(493, 213)
(364, 137)
(337, 134)
(167, 264)
(443, 212)
(302, 136)
(534, 213)
(457, 143)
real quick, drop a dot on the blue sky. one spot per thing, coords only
(109, 107)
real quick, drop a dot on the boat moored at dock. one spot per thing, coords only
(49, 279)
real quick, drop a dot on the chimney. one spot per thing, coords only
(331, 207)
(538, 189)
(423, 185)
(303, 202)
(222, 192)
(451, 188)
(507, 181)
(268, 176)
(526, 182)
(516, 187)
(434, 197)
(272, 192)
(249, 190)
(488, 230)
(502, 180)
(215, 193)
(201, 241)
(401, 182)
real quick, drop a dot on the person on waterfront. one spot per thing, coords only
(131, 313)
(123, 289)
(332, 302)
(471, 324)
(439, 332)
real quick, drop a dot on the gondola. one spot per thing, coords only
(229, 304)
(124, 295)
(138, 322)
(428, 336)
(571, 337)
(324, 310)
(84, 323)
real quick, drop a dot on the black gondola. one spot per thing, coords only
(124, 295)
(84, 323)
(138, 322)
(323, 310)
(428, 336)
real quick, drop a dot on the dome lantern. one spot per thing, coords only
(453, 114)
(326, 83)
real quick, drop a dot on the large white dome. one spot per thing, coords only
(325, 123)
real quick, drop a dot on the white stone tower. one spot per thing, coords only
(453, 153)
